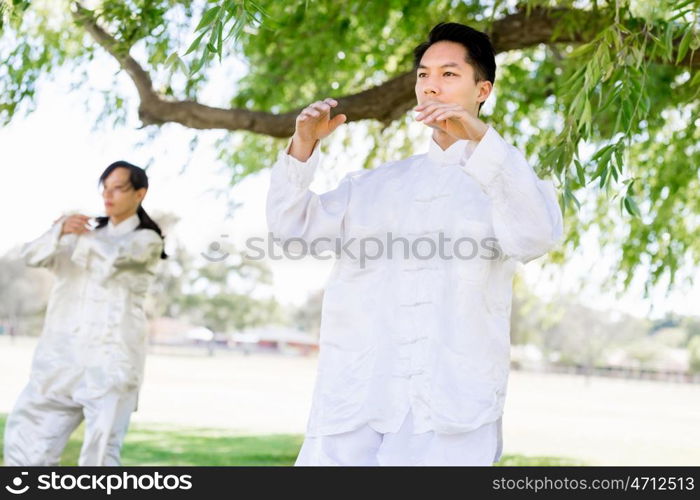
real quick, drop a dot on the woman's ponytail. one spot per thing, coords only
(147, 223)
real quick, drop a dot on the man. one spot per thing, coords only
(414, 351)
(90, 357)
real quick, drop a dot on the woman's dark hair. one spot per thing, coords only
(480, 53)
(138, 180)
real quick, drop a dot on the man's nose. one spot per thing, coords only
(430, 90)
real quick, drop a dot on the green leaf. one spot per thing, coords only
(585, 120)
(563, 202)
(195, 44)
(631, 206)
(604, 151)
(582, 50)
(685, 43)
(627, 113)
(208, 17)
(580, 172)
(568, 198)
(618, 156)
(681, 12)
(695, 42)
(695, 80)
(613, 172)
(603, 176)
(573, 80)
(198, 64)
(172, 59)
(668, 41)
(219, 38)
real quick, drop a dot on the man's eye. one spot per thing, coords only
(449, 73)
(421, 75)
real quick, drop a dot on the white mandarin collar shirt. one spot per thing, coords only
(125, 226)
(417, 330)
(95, 328)
(455, 154)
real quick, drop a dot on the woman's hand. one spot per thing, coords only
(76, 224)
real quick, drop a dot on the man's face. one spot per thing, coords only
(443, 75)
(120, 197)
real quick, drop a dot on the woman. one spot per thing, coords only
(90, 357)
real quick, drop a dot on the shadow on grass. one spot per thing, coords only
(166, 445)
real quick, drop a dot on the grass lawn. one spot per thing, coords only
(167, 445)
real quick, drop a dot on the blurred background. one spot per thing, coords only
(602, 97)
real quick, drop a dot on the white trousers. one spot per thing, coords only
(39, 426)
(365, 446)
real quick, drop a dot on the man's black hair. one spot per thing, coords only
(480, 53)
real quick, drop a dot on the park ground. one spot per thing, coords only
(232, 409)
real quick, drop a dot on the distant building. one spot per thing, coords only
(275, 339)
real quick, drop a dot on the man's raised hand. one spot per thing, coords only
(313, 124)
(452, 119)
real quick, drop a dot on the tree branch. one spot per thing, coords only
(384, 102)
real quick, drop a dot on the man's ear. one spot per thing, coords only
(485, 89)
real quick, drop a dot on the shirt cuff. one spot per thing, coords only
(56, 230)
(300, 173)
(486, 162)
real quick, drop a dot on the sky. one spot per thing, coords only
(51, 160)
